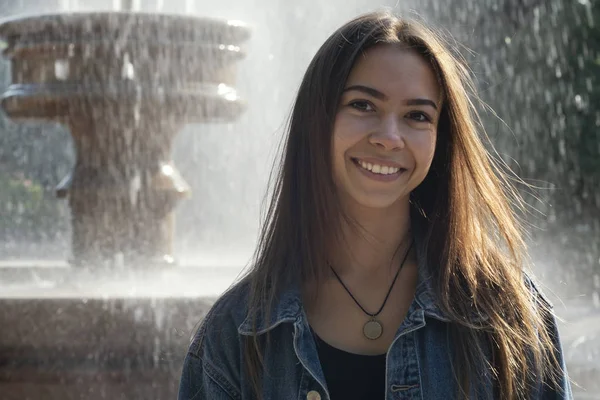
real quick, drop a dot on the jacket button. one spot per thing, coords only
(313, 395)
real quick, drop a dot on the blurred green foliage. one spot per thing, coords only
(26, 211)
(33, 159)
(20, 203)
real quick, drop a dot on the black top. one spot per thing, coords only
(351, 376)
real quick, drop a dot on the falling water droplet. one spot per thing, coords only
(61, 69)
(579, 102)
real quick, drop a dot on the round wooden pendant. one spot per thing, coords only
(373, 329)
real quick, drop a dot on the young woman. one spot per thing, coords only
(391, 265)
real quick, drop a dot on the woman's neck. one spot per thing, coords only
(375, 241)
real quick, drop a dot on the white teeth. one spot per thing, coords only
(378, 169)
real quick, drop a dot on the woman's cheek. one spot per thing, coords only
(426, 143)
(351, 127)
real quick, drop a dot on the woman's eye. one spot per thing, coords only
(361, 105)
(419, 117)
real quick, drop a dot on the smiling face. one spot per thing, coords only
(385, 129)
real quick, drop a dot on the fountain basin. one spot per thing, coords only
(68, 333)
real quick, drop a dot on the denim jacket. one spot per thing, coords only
(418, 362)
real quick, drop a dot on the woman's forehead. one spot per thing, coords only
(395, 71)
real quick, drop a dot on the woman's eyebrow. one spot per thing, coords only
(368, 90)
(421, 102)
(381, 96)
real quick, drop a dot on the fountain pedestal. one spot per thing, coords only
(124, 84)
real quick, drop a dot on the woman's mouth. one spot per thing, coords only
(378, 171)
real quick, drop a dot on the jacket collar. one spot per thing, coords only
(286, 308)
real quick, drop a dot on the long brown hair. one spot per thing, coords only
(473, 240)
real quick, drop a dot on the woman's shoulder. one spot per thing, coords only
(212, 366)
(219, 327)
(536, 290)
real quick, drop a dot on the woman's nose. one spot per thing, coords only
(388, 134)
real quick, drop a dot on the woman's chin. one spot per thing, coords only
(379, 202)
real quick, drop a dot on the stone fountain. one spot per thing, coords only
(124, 84)
(114, 322)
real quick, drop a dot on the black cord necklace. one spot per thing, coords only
(373, 328)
